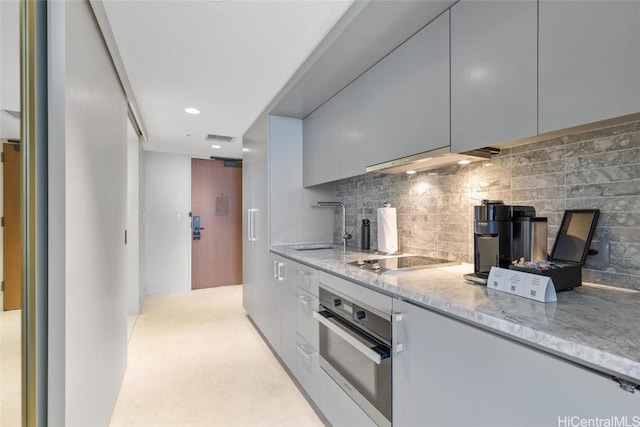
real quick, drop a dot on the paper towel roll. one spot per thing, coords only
(387, 230)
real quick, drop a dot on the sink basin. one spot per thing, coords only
(313, 247)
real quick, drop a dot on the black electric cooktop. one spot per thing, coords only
(401, 264)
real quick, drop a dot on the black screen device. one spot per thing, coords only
(574, 237)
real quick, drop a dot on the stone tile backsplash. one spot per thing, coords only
(596, 169)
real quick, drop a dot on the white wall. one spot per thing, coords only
(291, 207)
(167, 225)
(9, 68)
(134, 300)
(87, 208)
(9, 86)
(141, 227)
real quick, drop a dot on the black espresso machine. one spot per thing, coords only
(494, 236)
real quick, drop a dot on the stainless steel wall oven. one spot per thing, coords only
(355, 351)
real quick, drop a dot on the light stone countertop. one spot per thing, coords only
(595, 326)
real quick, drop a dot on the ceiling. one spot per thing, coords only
(231, 59)
(226, 58)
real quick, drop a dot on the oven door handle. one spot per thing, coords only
(335, 327)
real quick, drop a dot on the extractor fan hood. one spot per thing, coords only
(433, 159)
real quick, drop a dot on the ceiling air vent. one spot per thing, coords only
(218, 138)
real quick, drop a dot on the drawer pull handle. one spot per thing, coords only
(304, 300)
(305, 351)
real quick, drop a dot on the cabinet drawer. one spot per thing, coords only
(307, 367)
(338, 407)
(307, 326)
(357, 292)
(306, 278)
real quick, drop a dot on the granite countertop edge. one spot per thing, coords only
(609, 361)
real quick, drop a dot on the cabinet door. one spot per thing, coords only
(328, 152)
(320, 132)
(338, 407)
(447, 365)
(287, 313)
(306, 324)
(272, 301)
(589, 61)
(256, 256)
(493, 72)
(248, 247)
(352, 130)
(308, 368)
(408, 97)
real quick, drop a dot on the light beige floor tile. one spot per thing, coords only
(10, 370)
(196, 360)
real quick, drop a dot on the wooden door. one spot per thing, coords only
(12, 239)
(216, 198)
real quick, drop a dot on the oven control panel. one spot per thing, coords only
(373, 321)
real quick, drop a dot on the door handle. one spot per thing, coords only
(395, 318)
(251, 225)
(281, 271)
(304, 300)
(363, 348)
(196, 228)
(305, 351)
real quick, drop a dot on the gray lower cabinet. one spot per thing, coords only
(589, 67)
(307, 339)
(338, 407)
(273, 302)
(494, 86)
(408, 96)
(452, 374)
(286, 278)
(308, 368)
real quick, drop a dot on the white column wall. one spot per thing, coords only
(133, 235)
(88, 211)
(9, 88)
(141, 226)
(167, 224)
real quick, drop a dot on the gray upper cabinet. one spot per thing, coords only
(408, 97)
(334, 137)
(351, 130)
(493, 72)
(589, 62)
(320, 136)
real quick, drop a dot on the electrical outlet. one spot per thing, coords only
(602, 257)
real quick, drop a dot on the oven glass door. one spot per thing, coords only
(360, 362)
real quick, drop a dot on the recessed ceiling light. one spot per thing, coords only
(191, 110)
(410, 172)
(464, 162)
(216, 146)
(245, 150)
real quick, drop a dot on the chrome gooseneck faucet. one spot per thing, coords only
(345, 236)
